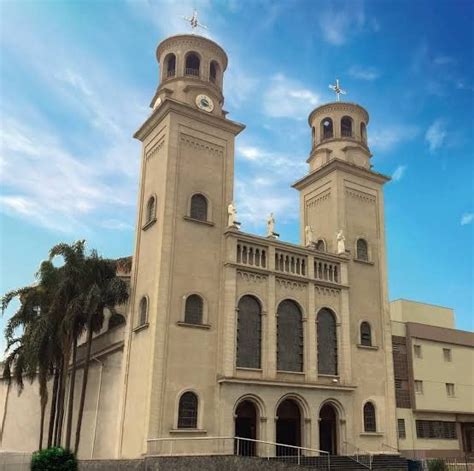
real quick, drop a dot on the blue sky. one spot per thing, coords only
(77, 78)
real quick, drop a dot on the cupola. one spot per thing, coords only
(339, 131)
(191, 71)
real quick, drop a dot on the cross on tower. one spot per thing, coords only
(337, 89)
(193, 21)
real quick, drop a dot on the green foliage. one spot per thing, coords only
(437, 465)
(53, 459)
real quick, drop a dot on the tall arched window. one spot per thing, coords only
(143, 311)
(199, 207)
(363, 132)
(362, 250)
(346, 126)
(150, 209)
(327, 342)
(193, 309)
(249, 326)
(327, 128)
(188, 410)
(365, 334)
(370, 424)
(289, 337)
(214, 72)
(192, 64)
(170, 65)
(313, 136)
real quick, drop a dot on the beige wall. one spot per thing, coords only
(403, 310)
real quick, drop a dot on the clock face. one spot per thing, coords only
(204, 103)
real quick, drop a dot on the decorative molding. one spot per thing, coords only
(318, 199)
(291, 284)
(323, 291)
(199, 144)
(360, 195)
(155, 149)
(252, 277)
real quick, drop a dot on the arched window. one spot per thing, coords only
(143, 311)
(327, 129)
(188, 410)
(363, 132)
(192, 64)
(370, 424)
(116, 320)
(346, 126)
(289, 337)
(199, 207)
(321, 245)
(327, 343)
(365, 334)
(313, 136)
(193, 309)
(249, 325)
(362, 250)
(213, 72)
(170, 65)
(150, 209)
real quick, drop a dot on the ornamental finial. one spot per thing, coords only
(193, 21)
(337, 89)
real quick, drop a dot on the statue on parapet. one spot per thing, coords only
(271, 227)
(309, 237)
(341, 242)
(232, 216)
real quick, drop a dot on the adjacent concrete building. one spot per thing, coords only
(434, 381)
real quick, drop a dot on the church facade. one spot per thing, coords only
(232, 334)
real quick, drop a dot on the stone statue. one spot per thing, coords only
(308, 236)
(232, 216)
(340, 239)
(271, 226)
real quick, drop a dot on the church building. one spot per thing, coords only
(229, 333)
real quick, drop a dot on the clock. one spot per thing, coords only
(204, 103)
(157, 103)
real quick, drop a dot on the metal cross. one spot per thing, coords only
(337, 89)
(193, 21)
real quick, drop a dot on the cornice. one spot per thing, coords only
(191, 40)
(338, 106)
(338, 164)
(184, 109)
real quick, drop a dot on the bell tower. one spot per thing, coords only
(186, 184)
(342, 192)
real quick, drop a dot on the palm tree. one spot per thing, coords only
(105, 290)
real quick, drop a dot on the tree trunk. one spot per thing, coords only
(66, 356)
(52, 413)
(70, 403)
(43, 402)
(84, 383)
(58, 406)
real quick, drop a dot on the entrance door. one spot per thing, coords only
(246, 427)
(288, 427)
(328, 429)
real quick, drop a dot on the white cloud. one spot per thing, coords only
(467, 218)
(388, 137)
(340, 21)
(364, 73)
(399, 172)
(436, 135)
(288, 98)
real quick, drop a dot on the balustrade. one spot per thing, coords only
(252, 255)
(290, 263)
(327, 271)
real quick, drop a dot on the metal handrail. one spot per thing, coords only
(358, 453)
(300, 451)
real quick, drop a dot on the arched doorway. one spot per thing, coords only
(328, 429)
(246, 427)
(288, 426)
